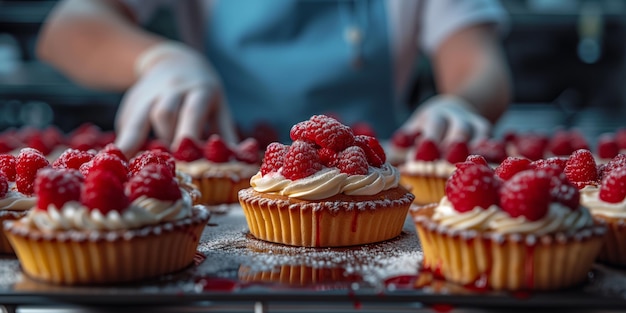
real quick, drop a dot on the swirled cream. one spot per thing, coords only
(437, 168)
(327, 183)
(559, 218)
(202, 167)
(590, 197)
(16, 201)
(142, 211)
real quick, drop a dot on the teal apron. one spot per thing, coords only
(282, 61)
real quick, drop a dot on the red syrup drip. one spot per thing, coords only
(216, 284)
(529, 266)
(442, 307)
(355, 220)
(357, 304)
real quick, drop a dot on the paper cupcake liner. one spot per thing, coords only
(219, 190)
(507, 262)
(425, 188)
(106, 257)
(333, 222)
(613, 251)
(7, 215)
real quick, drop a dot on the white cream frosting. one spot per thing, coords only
(437, 168)
(590, 197)
(16, 201)
(142, 211)
(558, 219)
(327, 183)
(202, 167)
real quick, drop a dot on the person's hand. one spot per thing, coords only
(447, 119)
(176, 95)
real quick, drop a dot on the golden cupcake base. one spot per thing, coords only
(8, 215)
(614, 250)
(507, 262)
(106, 257)
(426, 189)
(219, 190)
(337, 221)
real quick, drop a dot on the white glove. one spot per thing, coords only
(448, 118)
(177, 94)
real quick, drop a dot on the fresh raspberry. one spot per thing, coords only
(4, 185)
(578, 140)
(352, 161)
(83, 141)
(373, 150)
(607, 146)
(560, 143)
(620, 138)
(329, 133)
(328, 157)
(427, 150)
(152, 157)
(247, 151)
(274, 157)
(613, 187)
(7, 143)
(363, 129)
(554, 165)
(526, 194)
(581, 169)
(477, 159)
(532, 146)
(56, 187)
(457, 152)
(264, 133)
(7, 166)
(511, 166)
(27, 163)
(73, 158)
(154, 181)
(493, 150)
(300, 131)
(106, 138)
(562, 190)
(472, 186)
(216, 150)
(301, 160)
(37, 142)
(617, 162)
(188, 151)
(115, 150)
(509, 136)
(111, 163)
(104, 192)
(157, 145)
(403, 139)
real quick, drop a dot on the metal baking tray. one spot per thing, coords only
(233, 267)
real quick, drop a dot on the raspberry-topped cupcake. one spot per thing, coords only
(328, 188)
(522, 229)
(219, 170)
(111, 225)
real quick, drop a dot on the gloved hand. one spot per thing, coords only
(177, 95)
(448, 118)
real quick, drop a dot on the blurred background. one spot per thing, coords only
(568, 59)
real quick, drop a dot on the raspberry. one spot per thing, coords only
(510, 166)
(620, 138)
(113, 149)
(328, 157)
(111, 163)
(526, 194)
(106, 138)
(560, 143)
(563, 191)
(216, 150)
(264, 133)
(404, 139)
(493, 150)
(152, 157)
(329, 133)
(27, 163)
(56, 187)
(578, 140)
(7, 143)
(157, 145)
(613, 187)
(477, 159)
(73, 158)
(4, 185)
(154, 181)
(352, 161)
(457, 152)
(274, 157)
(532, 146)
(427, 150)
(247, 151)
(7, 166)
(83, 141)
(301, 160)
(581, 168)
(607, 146)
(37, 142)
(300, 131)
(554, 165)
(188, 151)
(104, 192)
(363, 129)
(509, 136)
(617, 162)
(373, 150)
(472, 186)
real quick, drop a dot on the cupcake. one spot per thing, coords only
(109, 226)
(219, 171)
(329, 188)
(426, 170)
(607, 204)
(525, 233)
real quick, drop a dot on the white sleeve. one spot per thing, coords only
(442, 18)
(143, 9)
